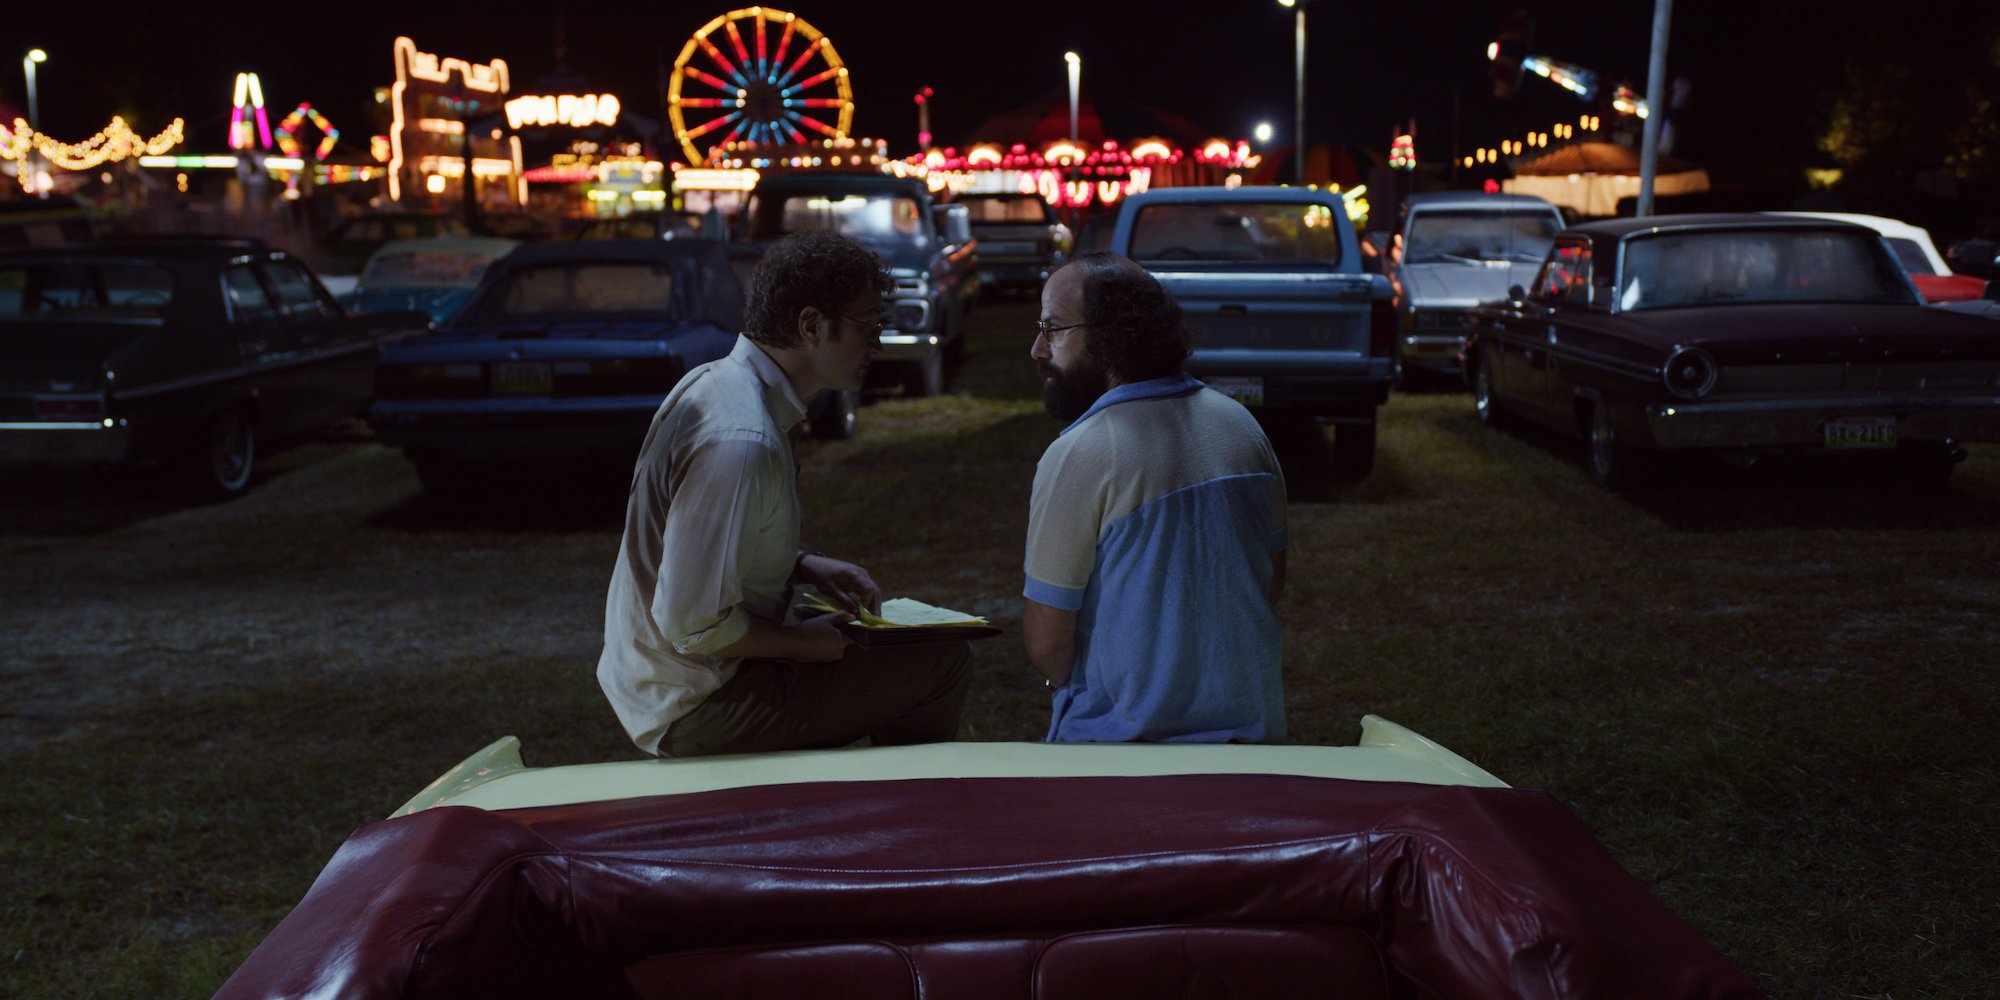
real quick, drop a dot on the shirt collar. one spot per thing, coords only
(779, 396)
(1177, 384)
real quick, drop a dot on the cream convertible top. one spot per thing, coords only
(495, 778)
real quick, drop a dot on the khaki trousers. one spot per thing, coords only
(892, 695)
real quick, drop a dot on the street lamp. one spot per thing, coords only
(1263, 133)
(1075, 76)
(34, 112)
(1299, 92)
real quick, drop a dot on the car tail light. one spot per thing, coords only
(1383, 326)
(69, 408)
(1689, 373)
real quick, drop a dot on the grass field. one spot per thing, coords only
(1770, 693)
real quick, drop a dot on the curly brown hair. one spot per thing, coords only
(818, 269)
(1132, 326)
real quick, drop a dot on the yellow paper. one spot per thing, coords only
(902, 612)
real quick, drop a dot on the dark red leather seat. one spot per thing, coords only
(1183, 886)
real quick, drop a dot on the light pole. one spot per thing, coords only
(1299, 90)
(28, 62)
(1075, 76)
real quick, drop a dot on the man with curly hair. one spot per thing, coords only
(1156, 529)
(703, 653)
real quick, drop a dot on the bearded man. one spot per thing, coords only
(1156, 530)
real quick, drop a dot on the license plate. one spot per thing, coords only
(1248, 390)
(521, 378)
(1861, 432)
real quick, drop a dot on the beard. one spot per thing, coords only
(1067, 393)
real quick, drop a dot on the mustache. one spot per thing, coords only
(1047, 370)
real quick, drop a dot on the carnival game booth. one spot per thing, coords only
(1390, 869)
(1589, 178)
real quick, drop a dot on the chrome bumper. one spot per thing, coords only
(1802, 422)
(900, 346)
(1435, 349)
(64, 443)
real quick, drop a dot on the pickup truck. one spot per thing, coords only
(928, 248)
(1283, 316)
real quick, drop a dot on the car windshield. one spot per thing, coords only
(580, 290)
(84, 292)
(876, 217)
(426, 269)
(1751, 265)
(1247, 231)
(1479, 237)
(1027, 208)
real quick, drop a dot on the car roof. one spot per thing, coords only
(143, 248)
(614, 250)
(1618, 228)
(1476, 199)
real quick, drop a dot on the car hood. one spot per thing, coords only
(64, 357)
(1821, 331)
(1436, 286)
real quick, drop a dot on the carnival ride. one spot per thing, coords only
(771, 95)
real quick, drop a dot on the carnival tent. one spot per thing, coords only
(1590, 177)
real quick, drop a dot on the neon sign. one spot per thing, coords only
(575, 110)
(288, 132)
(249, 98)
(429, 68)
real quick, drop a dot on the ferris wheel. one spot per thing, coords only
(758, 75)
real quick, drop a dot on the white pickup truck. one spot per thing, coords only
(1284, 318)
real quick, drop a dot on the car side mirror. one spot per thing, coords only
(954, 225)
(1515, 293)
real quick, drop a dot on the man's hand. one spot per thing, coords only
(843, 583)
(820, 639)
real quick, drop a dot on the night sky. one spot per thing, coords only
(1757, 80)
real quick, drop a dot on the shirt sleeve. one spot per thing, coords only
(1065, 515)
(716, 508)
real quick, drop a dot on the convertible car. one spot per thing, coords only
(1738, 335)
(1389, 869)
(190, 352)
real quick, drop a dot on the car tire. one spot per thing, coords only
(448, 480)
(225, 454)
(1485, 405)
(835, 414)
(1353, 452)
(926, 377)
(1614, 464)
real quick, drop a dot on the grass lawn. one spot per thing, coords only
(1763, 690)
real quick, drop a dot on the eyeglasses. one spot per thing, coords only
(1047, 330)
(877, 324)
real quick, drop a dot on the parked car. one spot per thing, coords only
(1450, 251)
(346, 249)
(38, 222)
(929, 249)
(1744, 335)
(1394, 868)
(561, 357)
(1020, 239)
(1918, 255)
(1285, 317)
(433, 276)
(1986, 305)
(642, 226)
(191, 352)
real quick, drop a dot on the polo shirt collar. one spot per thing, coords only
(1177, 384)
(780, 398)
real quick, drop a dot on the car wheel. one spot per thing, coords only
(835, 414)
(926, 377)
(448, 480)
(1353, 452)
(1928, 464)
(1483, 402)
(225, 455)
(1614, 464)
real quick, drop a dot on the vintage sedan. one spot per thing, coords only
(1919, 256)
(1738, 335)
(1394, 868)
(1451, 251)
(191, 352)
(561, 357)
(433, 276)
(1020, 239)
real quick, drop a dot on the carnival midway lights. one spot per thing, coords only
(772, 94)
(115, 143)
(275, 150)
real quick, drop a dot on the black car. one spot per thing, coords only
(1742, 336)
(561, 357)
(188, 352)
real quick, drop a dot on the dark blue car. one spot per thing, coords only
(562, 356)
